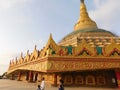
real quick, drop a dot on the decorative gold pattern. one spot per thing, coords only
(81, 65)
(35, 66)
(110, 49)
(27, 57)
(100, 80)
(50, 46)
(34, 54)
(68, 80)
(79, 79)
(90, 80)
(83, 46)
(82, 50)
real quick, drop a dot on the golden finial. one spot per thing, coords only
(16, 58)
(21, 55)
(35, 47)
(84, 21)
(50, 37)
(82, 1)
(10, 62)
(27, 52)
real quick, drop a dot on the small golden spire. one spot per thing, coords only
(27, 52)
(50, 41)
(16, 58)
(10, 62)
(84, 20)
(82, 1)
(21, 55)
(35, 47)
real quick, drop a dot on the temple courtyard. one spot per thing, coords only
(6, 84)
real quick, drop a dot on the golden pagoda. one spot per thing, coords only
(88, 56)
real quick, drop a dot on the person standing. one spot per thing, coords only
(61, 87)
(38, 87)
(43, 84)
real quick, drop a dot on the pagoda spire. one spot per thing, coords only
(35, 47)
(21, 55)
(82, 1)
(27, 52)
(84, 21)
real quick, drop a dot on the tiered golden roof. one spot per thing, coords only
(83, 50)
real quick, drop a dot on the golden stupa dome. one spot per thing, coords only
(85, 28)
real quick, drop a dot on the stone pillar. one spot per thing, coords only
(30, 76)
(39, 77)
(118, 77)
(59, 77)
(34, 74)
(19, 75)
(12, 77)
(55, 79)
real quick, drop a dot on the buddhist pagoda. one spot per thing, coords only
(88, 56)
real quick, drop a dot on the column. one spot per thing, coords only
(19, 75)
(30, 76)
(59, 77)
(118, 77)
(34, 74)
(12, 77)
(39, 77)
(55, 79)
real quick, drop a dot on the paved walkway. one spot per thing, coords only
(20, 85)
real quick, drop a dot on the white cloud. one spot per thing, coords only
(106, 13)
(10, 3)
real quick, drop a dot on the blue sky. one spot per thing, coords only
(26, 23)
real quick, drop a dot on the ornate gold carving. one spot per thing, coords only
(51, 45)
(79, 79)
(82, 50)
(21, 59)
(42, 66)
(109, 49)
(79, 65)
(83, 46)
(100, 80)
(90, 80)
(27, 57)
(52, 48)
(34, 55)
(68, 79)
